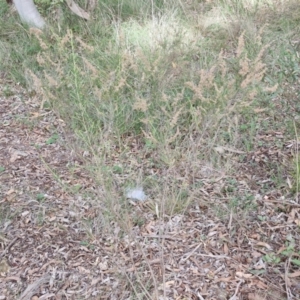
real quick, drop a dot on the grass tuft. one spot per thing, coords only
(186, 100)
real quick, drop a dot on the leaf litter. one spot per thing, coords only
(46, 253)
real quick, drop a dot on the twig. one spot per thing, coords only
(191, 253)
(213, 256)
(203, 255)
(9, 246)
(286, 279)
(167, 237)
(236, 290)
(199, 296)
(230, 221)
(33, 288)
(285, 203)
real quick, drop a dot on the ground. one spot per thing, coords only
(48, 251)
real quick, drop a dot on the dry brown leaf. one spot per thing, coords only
(46, 296)
(77, 10)
(224, 279)
(188, 253)
(263, 244)
(103, 266)
(9, 192)
(226, 249)
(295, 274)
(244, 275)
(96, 280)
(17, 155)
(258, 284)
(254, 296)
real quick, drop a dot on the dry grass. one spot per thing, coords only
(183, 100)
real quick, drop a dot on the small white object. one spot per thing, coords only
(136, 194)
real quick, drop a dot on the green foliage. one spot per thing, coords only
(40, 197)
(271, 258)
(52, 139)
